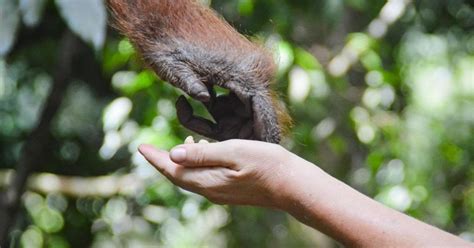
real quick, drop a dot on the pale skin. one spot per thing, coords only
(240, 172)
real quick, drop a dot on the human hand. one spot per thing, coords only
(236, 172)
(254, 173)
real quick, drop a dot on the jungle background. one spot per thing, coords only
(381, 92)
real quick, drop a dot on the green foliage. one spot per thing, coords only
(385, 105)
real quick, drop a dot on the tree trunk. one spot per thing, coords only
(34, 147)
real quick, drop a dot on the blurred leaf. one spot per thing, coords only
(139, 82)
(9, 20)
(161, 140)
(338, 145)
(299, 85)
(32, 11)
(56, 241)
(49, 220)
(285, 56)
(87, 18)
(333, 9)
(116, 113)
(357, 4)
(397, 197)
(374, 160)
(306, 60)
(125, 48)
(371, 60)
(32, 238)
(246, 7)
(116, 55)
(162, 191)
(360, 42)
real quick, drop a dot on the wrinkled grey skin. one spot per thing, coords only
(246, 113)
(191, 47)
(233, 119)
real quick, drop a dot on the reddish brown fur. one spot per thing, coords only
(185, 19)
(159, 28)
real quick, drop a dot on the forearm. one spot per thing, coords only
(321, 201)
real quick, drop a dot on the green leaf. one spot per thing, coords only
(371, 60)
(32, 238)
(285, 56)
(49, 220)
(357, 4)
(86, 18)
(245, 7)
(306, 60)
(360, 42)
(32, 11)
(9, 20)
(129, 83)
(116, 55)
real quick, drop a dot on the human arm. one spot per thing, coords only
(259, 174)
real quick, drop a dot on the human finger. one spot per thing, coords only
(161, 161)
(189, 140)
(202, 155)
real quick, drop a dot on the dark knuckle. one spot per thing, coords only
(216, 200)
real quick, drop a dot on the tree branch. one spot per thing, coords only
(102, 186)
(33, 149)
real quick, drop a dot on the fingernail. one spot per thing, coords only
(189, 140)
(178, 155)
(203, 97)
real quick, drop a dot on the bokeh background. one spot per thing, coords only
(381, 92)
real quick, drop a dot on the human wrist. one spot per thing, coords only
(296, 183)
(277, 179)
